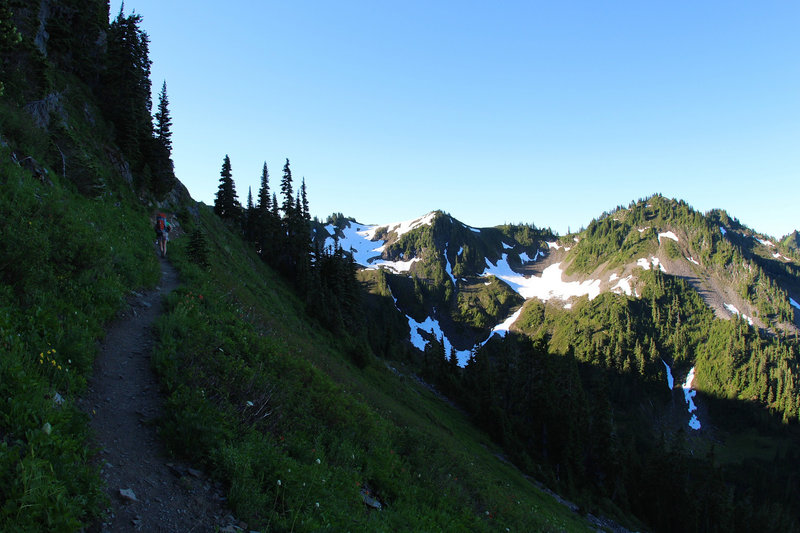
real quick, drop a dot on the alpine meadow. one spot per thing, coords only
(421, 375)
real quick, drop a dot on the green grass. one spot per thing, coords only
(66, 265)
(246, 349)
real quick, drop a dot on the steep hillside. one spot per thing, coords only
(307, 428)
(652, 305)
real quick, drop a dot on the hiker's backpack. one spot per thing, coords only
(161, 222)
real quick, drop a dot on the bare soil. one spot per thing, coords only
(147, 489)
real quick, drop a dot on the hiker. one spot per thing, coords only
(162, 228)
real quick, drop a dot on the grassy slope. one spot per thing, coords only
(66, 265)
(333, 430)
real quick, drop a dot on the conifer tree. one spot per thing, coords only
(304, 202)
(226, 204)
(126, 86)
(163, 119)
(263, 191)
(161, 165)
(286, 191)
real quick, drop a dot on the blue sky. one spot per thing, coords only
(541, 112)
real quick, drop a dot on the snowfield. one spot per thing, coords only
(667, 235)
(367, 249)
(550, 285)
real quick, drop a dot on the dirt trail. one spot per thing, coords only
(124, 402)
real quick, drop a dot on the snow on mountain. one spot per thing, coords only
(400, 228)
(794, 304)
(623, 286)
(733, 309)
(670, 379)
(504, 327)
(667, 235)
(549, 285)
(360, 239)
(525, 258)
(431, 325)
(448, 267)
(688, 394)
(653, 261)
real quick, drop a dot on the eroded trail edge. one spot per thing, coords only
(148, 490)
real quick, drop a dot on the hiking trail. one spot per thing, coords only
(148, 491)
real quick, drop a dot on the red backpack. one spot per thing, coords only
(161, 222)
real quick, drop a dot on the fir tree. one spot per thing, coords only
(226, 204)
(197, 249)
(263, 191)
(126, 86)
(286, 191)
(304, 202)
(163, 120)
(160, 160)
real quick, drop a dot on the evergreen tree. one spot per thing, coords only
(161, 165)
(197, 249)
(263, 191)
(126, 87)
(163, 119)
(286, 190)
(226, 204)
(304, 202)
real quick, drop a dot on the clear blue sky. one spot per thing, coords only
(517, 111)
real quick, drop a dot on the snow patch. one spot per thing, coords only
(505, 326)
(623, 286)
(448, 268)
(688, 394)
(506, 246)
(549, 285)
(647, 263)
(400, 228)
(732, 308)
(765, 242)
(723, 230)
(667, 235)
(554, 244)
(431, 325)
(692, 260)
(794, 304)
(525, 258)
(397, 266)
(670, 379)
(359, 239)
(642, 230)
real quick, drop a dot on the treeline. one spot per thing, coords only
(281, 232)
(579, 402)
